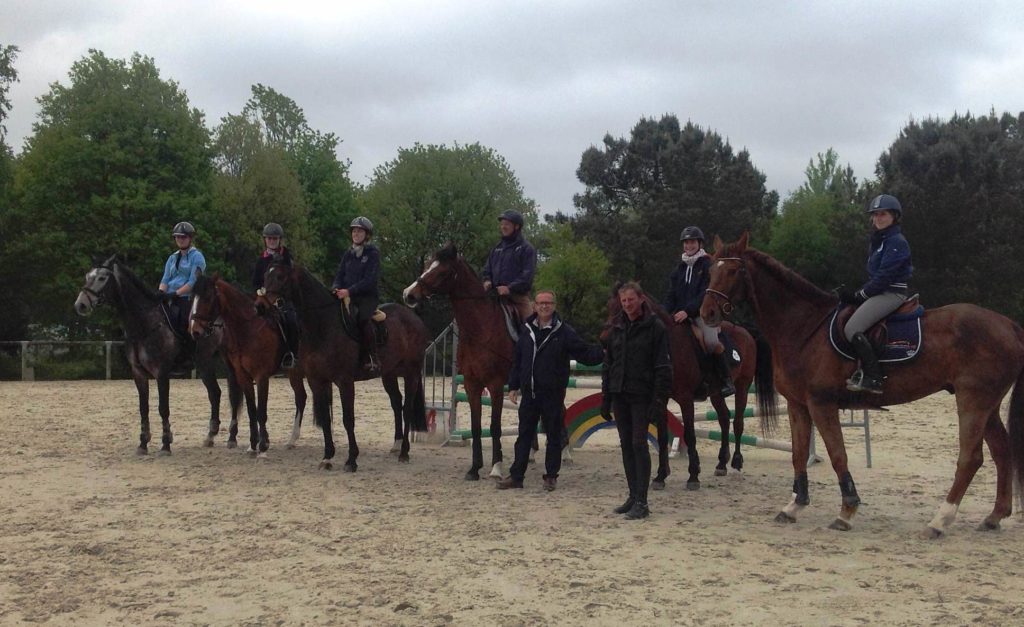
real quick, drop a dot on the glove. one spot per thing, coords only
(606, 407)
(657, 410)
(849, 297)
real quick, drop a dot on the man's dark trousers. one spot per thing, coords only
(549, 406)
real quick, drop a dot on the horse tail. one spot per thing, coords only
(1015, 424)
(764, 385)
(419, 407)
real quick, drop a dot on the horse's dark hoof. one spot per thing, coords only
(232, 444)
(989, 525)
(931, 533)
(326, 465)
(737, 463)
(472, 476)
(783, 517)
(208, 443)
(164, 452)
(840, 525)
(693, 485)
(404, 458)
(142, 451)
(721, 472)
(657, 485)
(251, 452)
(350, 467)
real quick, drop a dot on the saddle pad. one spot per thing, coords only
(902, 334)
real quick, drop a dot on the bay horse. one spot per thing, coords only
(755, 366)
(971, 352)
(328, 354)
(152, 346)
(485, 349)
(253, 347)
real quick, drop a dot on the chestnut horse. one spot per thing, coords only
(153, 348)
(485, 349)
(971, 352)
(254, 348)
(328, 354)
(755, 365)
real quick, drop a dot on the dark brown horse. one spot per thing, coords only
(328, 354)
(254, 349)
(153, 348)
(485, 348)
(687, 378)
(971, 352)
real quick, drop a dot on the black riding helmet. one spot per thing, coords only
(184, 228)
(512, 216)
(692, 232)
(886, 202)
(362, 223)
(273, 229)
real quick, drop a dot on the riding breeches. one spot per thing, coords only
(710, 333)
(871, 311)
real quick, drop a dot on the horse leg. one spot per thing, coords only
(663, 465)
(973, 426)
(299, 390)
(722, 409)
(395, 396)
(209, 378)
(262, 389)
(237, 397)
(163, 388)
(999, 448)
(473, 391)
(800, 426)
(738, 426)
(347, 391)
(142, 386)
(497, 401)
(322, 408)
(252, 410)
(690, 439)
(826, 418)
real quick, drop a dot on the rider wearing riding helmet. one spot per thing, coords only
(180, 272)
(889, 269)
(357, 279)
(511, 265)
(686, 288)
(274, 250)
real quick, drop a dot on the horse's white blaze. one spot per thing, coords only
(945, 516)
(792, 509)
(405, 292)
(721, 263)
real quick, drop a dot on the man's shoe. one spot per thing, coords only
(508, 483)
(550, 483)
(625, 507)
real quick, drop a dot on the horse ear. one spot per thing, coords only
(742, 242)
(719, 245)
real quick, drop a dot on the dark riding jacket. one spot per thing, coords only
(513, 263)
(263, 264)
(637, 360)
(542, 356)
(889, 264)
(686, 287)
(358, 273)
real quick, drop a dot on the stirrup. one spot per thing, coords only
(860, 382)
(372, 365)
(288, 361)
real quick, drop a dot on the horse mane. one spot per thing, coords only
(146, 291)
(774, 268)
(448, 252)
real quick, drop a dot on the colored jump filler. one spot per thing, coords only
(583, 419)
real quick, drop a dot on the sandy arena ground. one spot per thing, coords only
(92, 534)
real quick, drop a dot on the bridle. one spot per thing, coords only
(210, 322)
(725, 303)
(97, 298)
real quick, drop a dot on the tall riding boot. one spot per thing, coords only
(629, 466)
(722, 370)
(869, 378)
(370, 344)
(643, 481)
(290, 328)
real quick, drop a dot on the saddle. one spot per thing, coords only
(898, 337)
(349, 314)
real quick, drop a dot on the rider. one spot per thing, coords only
(180, 273)
(686, 289)
(273, 235)
(511, 265)
(889, 269)
(357, 279)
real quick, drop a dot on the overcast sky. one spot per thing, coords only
(542, 81)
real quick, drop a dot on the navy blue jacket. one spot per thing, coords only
(545, 367)
(686, 287)
(263, 264)
(889, 265)
(512, 262)
(359, 275)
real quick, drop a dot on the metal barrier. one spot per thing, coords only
(28, 362)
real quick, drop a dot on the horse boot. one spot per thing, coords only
(372, 364)
(722, 370)
(869, 377)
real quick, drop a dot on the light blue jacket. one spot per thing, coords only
(181, 268)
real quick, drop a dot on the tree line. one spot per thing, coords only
(118, 155)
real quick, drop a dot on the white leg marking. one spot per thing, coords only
(792, 509)
(396, 447)
(498, 470)
(944, 517)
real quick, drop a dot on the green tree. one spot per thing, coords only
(961, 184)
(116, 159)
(642, 191)
(13, 323)
(577, 271)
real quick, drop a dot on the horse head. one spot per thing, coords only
(438, 278)
(728, 280)
(205, 306)
(99, 285)
(278, 283)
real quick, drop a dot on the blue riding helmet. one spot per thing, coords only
(512, 216)
(886, 202)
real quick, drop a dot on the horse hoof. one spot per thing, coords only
(931, 533)
(721, 472)
(164, 452)
(657, 485)
(326, 465)
(232, 444)
(251, 452)
(208, 443)
(290, 445)
(840, 525)
(783, 517)
(404, 459)
(472, 476)
(988, 525)
(693, 486)
(349, 467)
(142, 451)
